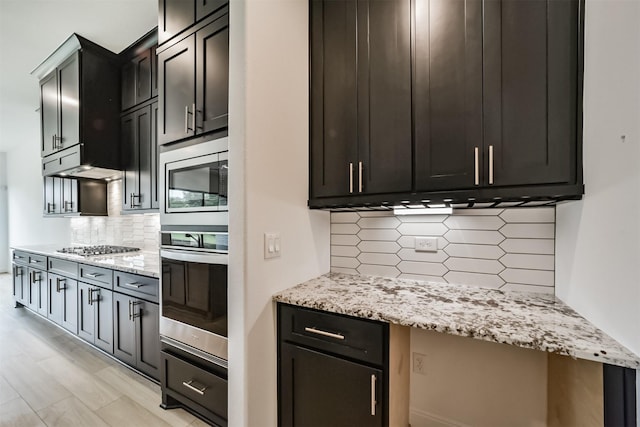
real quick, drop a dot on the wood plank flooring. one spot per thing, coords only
(50, 378)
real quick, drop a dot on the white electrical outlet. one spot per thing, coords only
(271, 245)
(419, 363)
(426, 244)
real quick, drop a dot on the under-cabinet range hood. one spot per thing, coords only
(80, 111)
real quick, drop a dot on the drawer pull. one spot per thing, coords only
(134, 285)
(35, 261)
(324, 333)
(373, 395)
(58, 287)
(93, 275)
(188, 385)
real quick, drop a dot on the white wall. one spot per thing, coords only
(4, 234)
(598, 238)
(269, 146)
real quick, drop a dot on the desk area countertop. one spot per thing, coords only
(528, 320)
(146, 263)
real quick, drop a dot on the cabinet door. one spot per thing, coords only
(207, 7)
(102, 302)
(19, 274)
(447, 94)
(128, 85)
(49, 113)
(86, 313)
(124, 329)
(530, 91)
(54, 309)
(321, 390)
(69, 195)
(155, 192)
(384, 96)
(130, 163)
(69, 91)
(174, 16)
(154, 72)
(147, 317)
(70, 305)
(333, 139)
(142, 64)
(176, 90)
(212, 76)
(146, 157)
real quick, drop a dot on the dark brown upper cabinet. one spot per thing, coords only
(139, 184)
(193, 80)
(74, 197)
(176, 16)
(139, 81)
(494, 102)
(360, 115)
(79, 108)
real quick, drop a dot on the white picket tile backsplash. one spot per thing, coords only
(509, 249)
(139, 230)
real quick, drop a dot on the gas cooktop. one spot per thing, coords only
(97, 250)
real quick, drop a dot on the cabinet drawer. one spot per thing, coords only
(196, 384)
(63, 267)
(359, 339)
(20, 257)
(38, 261)
(135, 285)
(96, 276)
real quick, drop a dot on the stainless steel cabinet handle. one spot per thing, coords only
(350, 178)
(491, 164)
(477, 164)
(193, 118)
(58, 280)
(324, 333)
(89, 297)
(360, 177)
(373, 395)
(130, 311)
(93, 275)
(35, 261)
(133, 310)
(18, 257)
(200, 391)
(134, 285)
(186, 119)
(53, 142)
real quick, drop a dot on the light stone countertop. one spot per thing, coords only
(145, 263)
(528, 320)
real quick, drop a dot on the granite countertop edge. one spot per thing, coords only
(144, 263)
(527, 320)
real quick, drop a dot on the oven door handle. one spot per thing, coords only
(188, 256)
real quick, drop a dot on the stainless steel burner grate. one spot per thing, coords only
(97, 250)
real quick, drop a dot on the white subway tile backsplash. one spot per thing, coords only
(408, 254)
(378, 258)
(528, 277)
(381, 247)
(344, 270)
(479, 237)
(423, 229)
(378, 270)
(473, 222)
(534, 262)
(426, 268)
(529, 246)
(350, 251)
(474, 265)
(531, 215)
(529, 231)
(379, 222)
(437, 279)
(384, 235)
(508, 248)
(527, 288)
(474, 251)
(346, 262)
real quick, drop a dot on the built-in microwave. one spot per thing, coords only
(194, 179)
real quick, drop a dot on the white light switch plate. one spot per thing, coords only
(271, 245)
(426, 244)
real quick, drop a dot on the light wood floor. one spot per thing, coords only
(50, 378)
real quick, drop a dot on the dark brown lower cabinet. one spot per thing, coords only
(321, 390)
(136, 334)
(95, 316)
(192, 382)
(62, 306)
